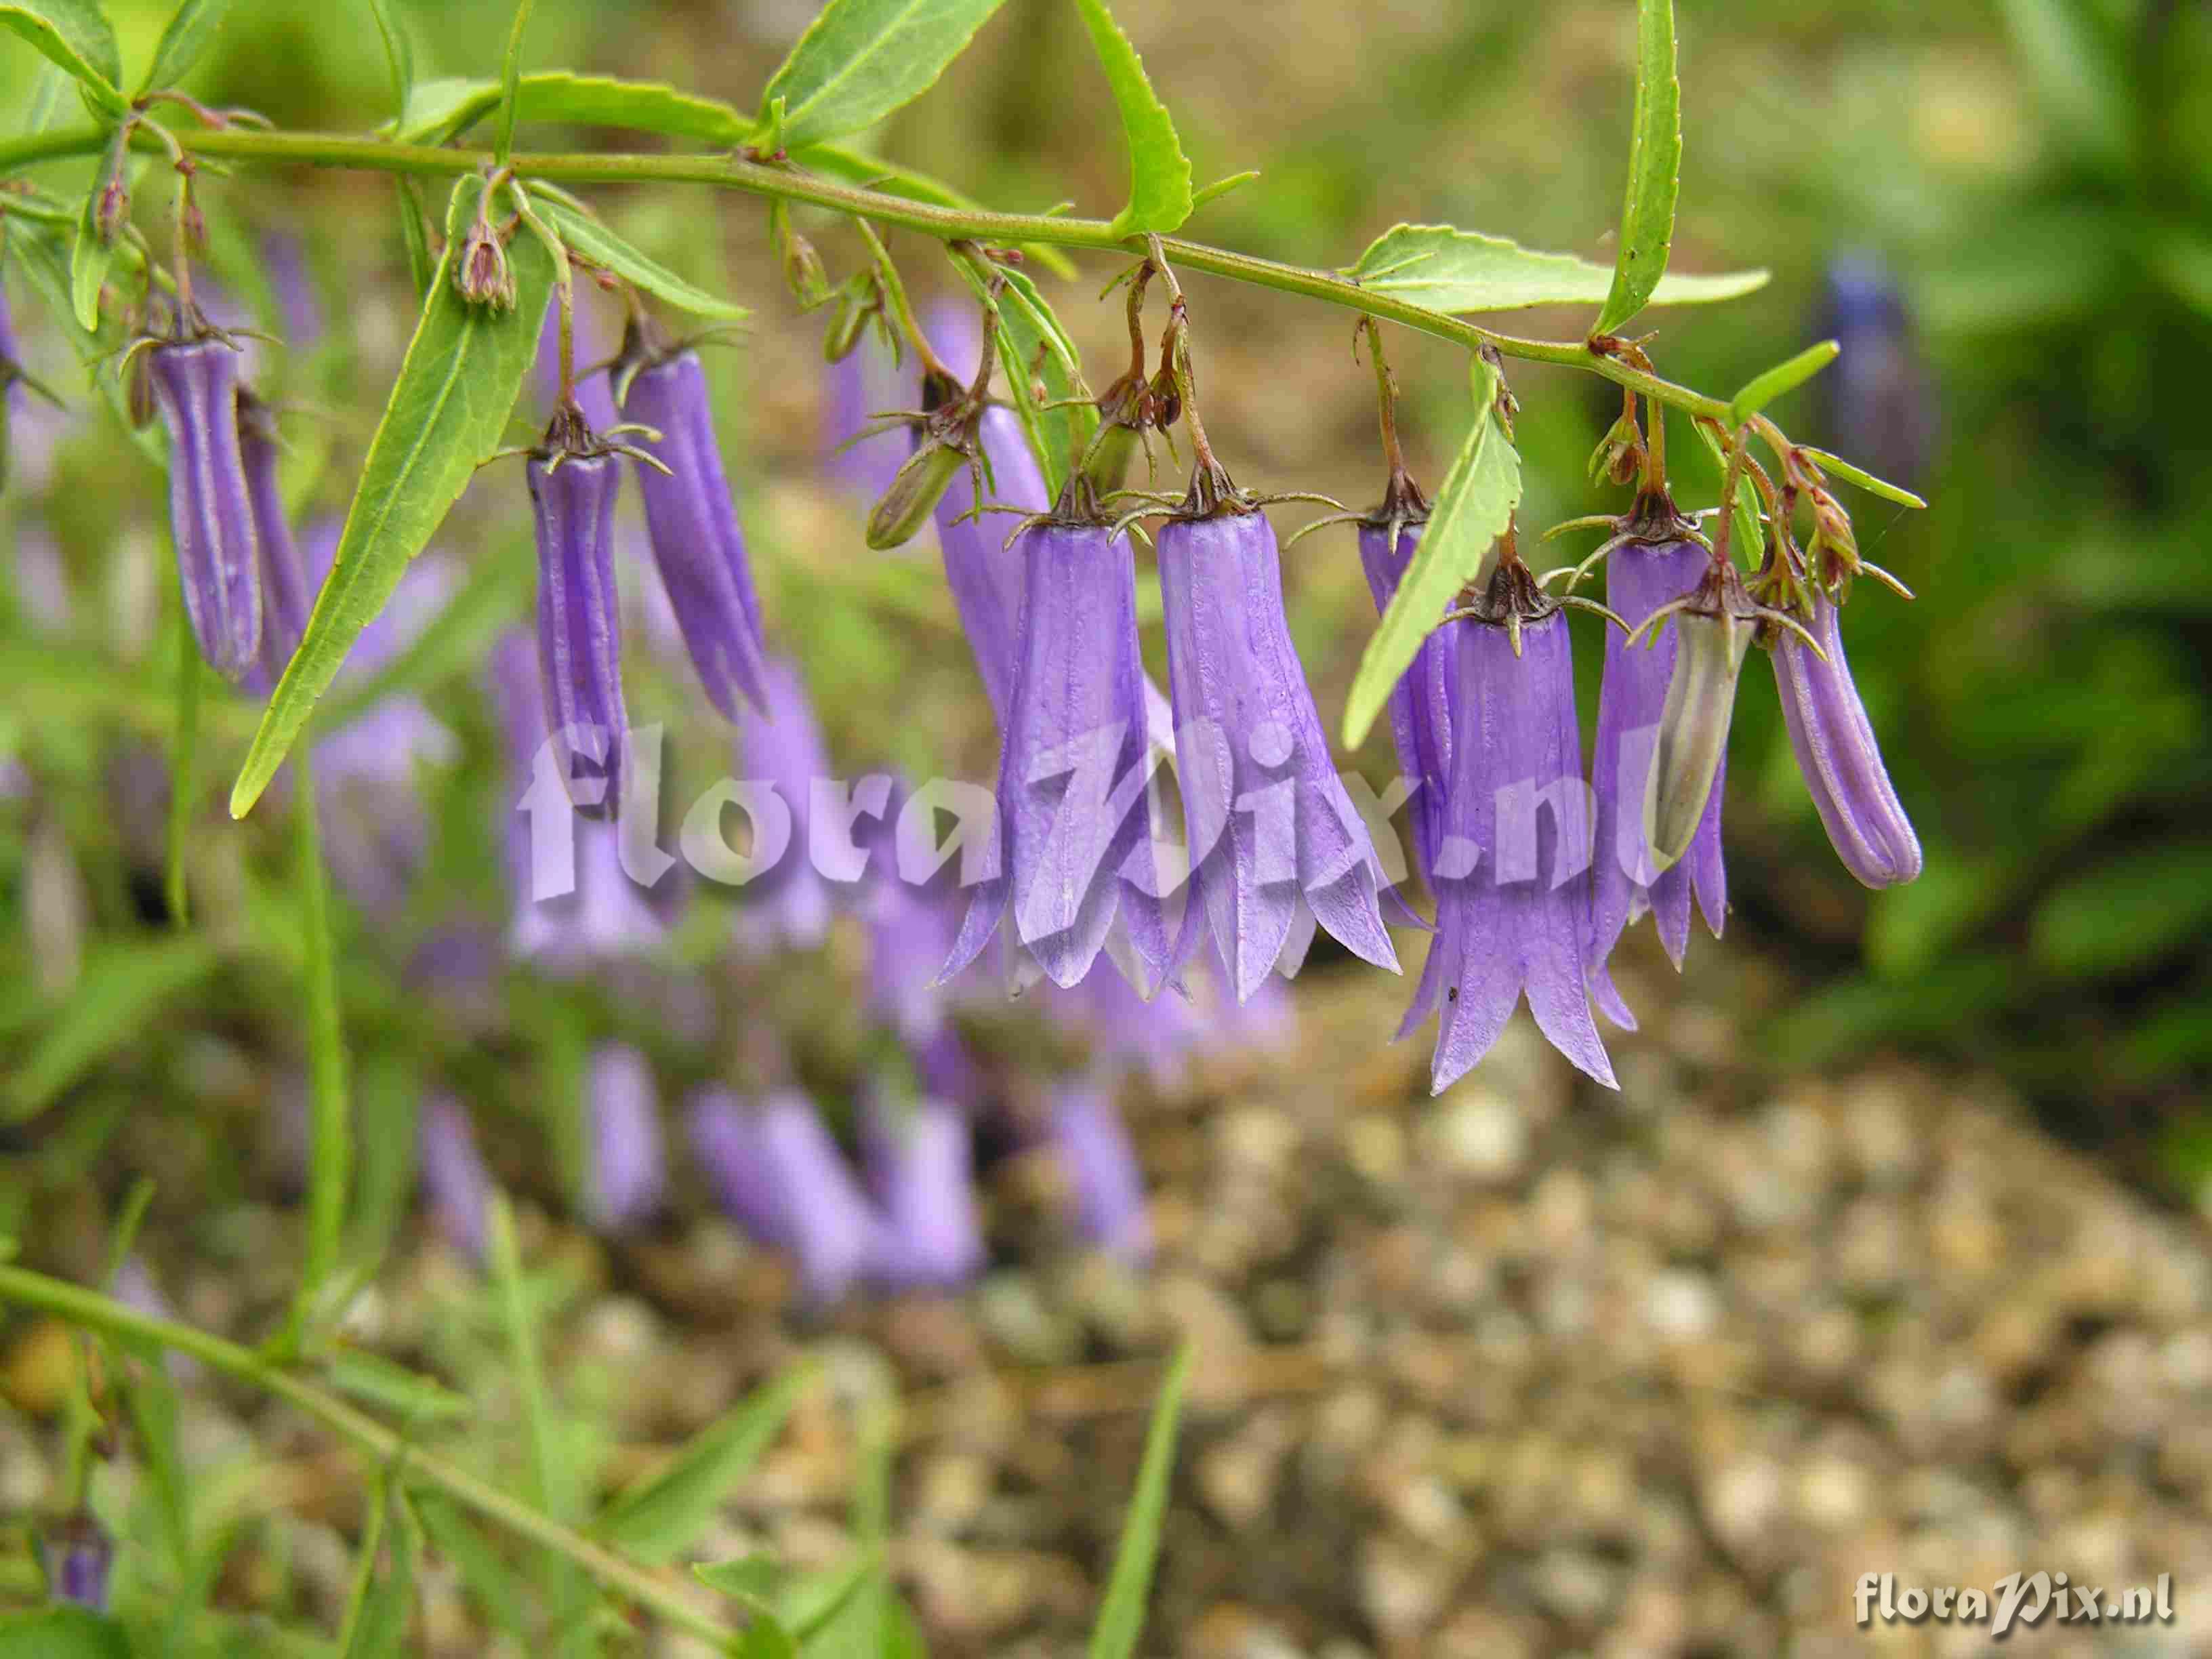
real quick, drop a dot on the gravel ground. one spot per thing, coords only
(1528, 1370)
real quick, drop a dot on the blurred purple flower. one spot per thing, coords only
(781, 745)
(1092, 1146)
(299, 306)
(1074, 854)
(1275, 843)
(1839, 757)
(865, 382)
(779, 1175)
(627, 1175)
(1880, 407)
(453, 1175)
(1640, 577)
(77, 1554)
(196, 384)
(919, 1157)
(42, 584)
(1513, 905)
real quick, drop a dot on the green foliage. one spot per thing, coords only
(61, 1633)
(1780, 380)
(1458, 271)
(665, 1512)
(192, 29)
(1122, 1614)
(1159, 172)
(447, 413)
(590, 239)
(1654, 169)
(122, 985)
(862, 59)
(75, 34)
(438, 110)
(1458, 548)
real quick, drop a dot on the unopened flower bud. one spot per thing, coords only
(856, 303)
(111, 207)
(1619, 454)
(1839, 757)
(802, 266)
(1694, 727)
(481, 273)
(906, 505)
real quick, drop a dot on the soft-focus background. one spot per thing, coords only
(1890, 1255)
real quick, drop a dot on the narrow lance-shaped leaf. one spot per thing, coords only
(1121, 1614)
(590, 239)
(398, 53)
(75, 35)
(1654, 169)
(1864, 479)
(446, 413)
(510, 78)
(861, 59)
(1159, 172)
(442, 109)
(1458, 271)
(1472, 510)
(1785, 377)
(193, 28)
(668, 1509)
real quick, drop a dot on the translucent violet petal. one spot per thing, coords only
(1420, 705)
(579, 623)
(210, 515)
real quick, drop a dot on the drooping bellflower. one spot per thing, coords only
(285, 596)
(1629, 876)
(919, 1159)
(1876, 400)
(1420, 709)
(1275, 843)
(692, 520)
(1513, 899)
(195, 384)
(627, 1177)
(573, 479)
(779, 1175)
(1075, 849)
(1838, 756)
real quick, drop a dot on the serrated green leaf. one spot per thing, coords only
(590, 239)
(2126, 915)
(1458, 271)
(1785, 377)
(861, 59)
(1458, 547)
(439, 110)
(666, 1512)
(372, 1377)
(447, 411)
(120, 992)
(1654, 169)
(61, 1633)
(1159, 172)
(90, 258)
(75, 35)
(1122, 1614)
(193, 28)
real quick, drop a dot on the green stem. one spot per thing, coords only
(375, 154)
(79, 1306)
